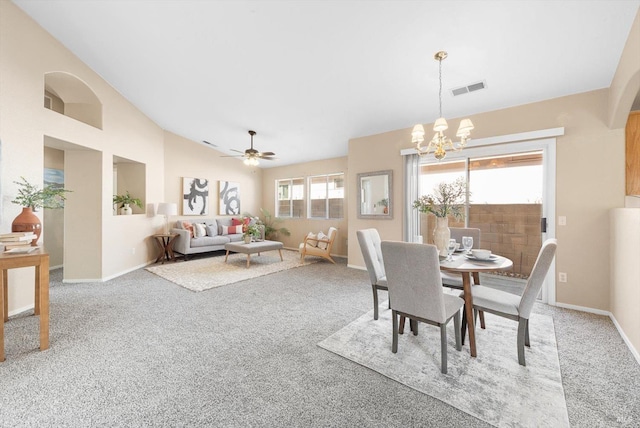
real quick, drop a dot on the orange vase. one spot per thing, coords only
(27, 221)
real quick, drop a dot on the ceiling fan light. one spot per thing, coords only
(247, 161)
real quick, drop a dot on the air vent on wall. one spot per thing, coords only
(469, 88)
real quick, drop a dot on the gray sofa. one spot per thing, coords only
(213, 241)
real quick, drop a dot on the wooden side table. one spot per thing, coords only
(164, 243)
(40, 260)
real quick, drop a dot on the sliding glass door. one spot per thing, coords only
(507, 192)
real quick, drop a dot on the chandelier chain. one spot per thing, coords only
(440, 79)
(440, 142)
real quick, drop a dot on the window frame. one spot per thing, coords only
(277, 197)
(326, 209)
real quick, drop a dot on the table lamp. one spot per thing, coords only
(167, 209)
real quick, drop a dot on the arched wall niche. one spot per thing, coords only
(64, 93)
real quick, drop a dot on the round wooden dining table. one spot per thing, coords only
(466, 267)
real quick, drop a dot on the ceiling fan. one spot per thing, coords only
(251, 155)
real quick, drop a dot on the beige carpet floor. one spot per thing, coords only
(492, 387)
(210, 272)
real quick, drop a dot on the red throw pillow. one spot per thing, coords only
(236, 222)
(231, 230)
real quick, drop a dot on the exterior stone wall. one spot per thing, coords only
(510, 230)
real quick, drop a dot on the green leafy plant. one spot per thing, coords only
(270, 223)
(252, 230)
(384, 202)
(447, 199)
(126, 199)
(32, 196)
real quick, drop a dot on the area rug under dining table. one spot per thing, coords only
(492, 387)
(203, 274)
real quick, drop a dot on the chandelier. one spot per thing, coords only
(440, 143)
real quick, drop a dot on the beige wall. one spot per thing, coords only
(626, 81)
(27, 52)
(588, 183)
(625, 263)
(186, 158)
(625, 294)
(299, 227)
(368, 154)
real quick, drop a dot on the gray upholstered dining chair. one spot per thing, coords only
(369, 240)
(453, 280)
(511, 306)
(415, 291)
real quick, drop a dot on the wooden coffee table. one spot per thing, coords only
(252, 248)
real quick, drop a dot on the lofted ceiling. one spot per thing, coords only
(309, 75)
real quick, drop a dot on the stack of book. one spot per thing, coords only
(16, 239)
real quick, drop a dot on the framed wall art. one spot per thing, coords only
(229, 198)
(195, 196)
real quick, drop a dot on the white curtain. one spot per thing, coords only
(411, 226)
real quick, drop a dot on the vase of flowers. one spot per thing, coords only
(251, 232)
(31, 198)
(447, 200)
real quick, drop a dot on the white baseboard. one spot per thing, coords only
(583, 309)
(357, 267)
(633, 350)
(55, 267)
(21, 310)
(76, 281)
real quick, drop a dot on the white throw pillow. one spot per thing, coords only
(322, 245)
(311, 240)
(199, 230)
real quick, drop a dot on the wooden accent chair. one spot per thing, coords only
(511, 306)
(415, 291)
(322, 247)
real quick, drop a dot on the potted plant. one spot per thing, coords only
(385, 203)
(447, 200)
(126, 200)
(251, 231)
(271, 229)
(31, 198)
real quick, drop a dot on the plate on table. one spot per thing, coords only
(491, 258)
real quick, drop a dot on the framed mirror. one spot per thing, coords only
(374, 195)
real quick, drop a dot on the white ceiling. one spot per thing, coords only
(310, 75)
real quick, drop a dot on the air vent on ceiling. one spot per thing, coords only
(469, 88)
(211, 144)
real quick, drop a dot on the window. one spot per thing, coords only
(290, 202)
(326, 196)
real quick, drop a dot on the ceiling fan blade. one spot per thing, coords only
(238, 151)
(268, 158)
(267, 154)
(232, 156)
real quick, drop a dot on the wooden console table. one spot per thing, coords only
(40, 260)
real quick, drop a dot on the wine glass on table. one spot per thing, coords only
(451, 247)
(467, 244)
